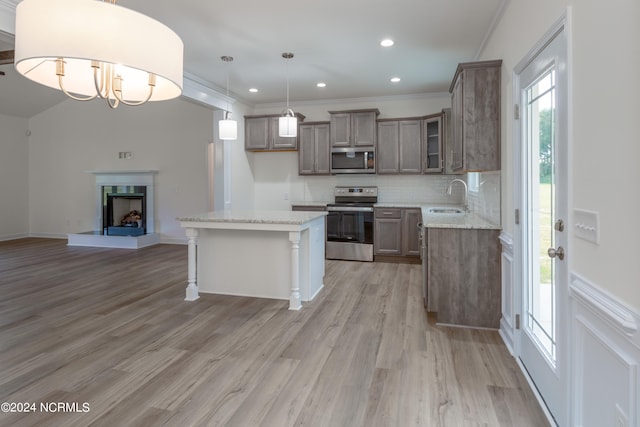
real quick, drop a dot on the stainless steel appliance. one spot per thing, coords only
(350, 223)
(353, 160)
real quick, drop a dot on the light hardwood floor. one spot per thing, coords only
(109, 327)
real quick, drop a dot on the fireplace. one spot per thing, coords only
(125, 216)
(124, 209)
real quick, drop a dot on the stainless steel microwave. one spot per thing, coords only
(353, 160)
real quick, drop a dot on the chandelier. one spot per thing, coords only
(90, 49)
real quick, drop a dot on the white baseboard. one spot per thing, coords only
(8, 237)
(49, 235)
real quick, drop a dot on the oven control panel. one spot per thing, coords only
(356, 192)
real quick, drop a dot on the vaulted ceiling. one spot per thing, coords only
(334, 41)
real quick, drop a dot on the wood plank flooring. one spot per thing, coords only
(109, 327)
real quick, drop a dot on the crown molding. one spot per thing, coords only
(338, 101)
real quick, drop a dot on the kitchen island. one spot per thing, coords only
(265, 254)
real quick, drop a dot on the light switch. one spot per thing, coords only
(587, 225)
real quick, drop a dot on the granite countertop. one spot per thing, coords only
(255, 217)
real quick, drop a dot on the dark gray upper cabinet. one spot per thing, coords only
(388, 143)
(353, 128)
(261, 134)
(475, 117)
(399, 146)
(313, 154)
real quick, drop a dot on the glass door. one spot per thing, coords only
(543, 339)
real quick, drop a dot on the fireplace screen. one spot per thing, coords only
(124, 210)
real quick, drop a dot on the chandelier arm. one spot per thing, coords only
(70, 95)
(152, 84)
(60, 74)
(113, 105)
(98, 85)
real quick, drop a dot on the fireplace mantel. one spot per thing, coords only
(124, 177)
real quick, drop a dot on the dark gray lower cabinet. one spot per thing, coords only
(463, 276)
(388, 231)
(396, 232)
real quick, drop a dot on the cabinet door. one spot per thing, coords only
(410, 147)
(387, 147)
(256, 133)
(364, 128)
(457, 123)
(278, 142)
(481, 125)
(432, 145)
(411, 232)
(306, 153)
(341, 130)
(322, 150)
(388, 236)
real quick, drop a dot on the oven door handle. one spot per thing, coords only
(349, 209)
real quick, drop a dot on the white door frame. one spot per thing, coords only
(519, 192)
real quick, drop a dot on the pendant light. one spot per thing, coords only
(288, 123)
(227, 128)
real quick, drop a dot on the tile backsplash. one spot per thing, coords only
(486, 200)
(393, 188)
(427, 189)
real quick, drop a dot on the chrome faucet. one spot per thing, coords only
(466, 190)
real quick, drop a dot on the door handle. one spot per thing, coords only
(556, 253)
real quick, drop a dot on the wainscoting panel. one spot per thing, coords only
(605, 355)
(507, 322)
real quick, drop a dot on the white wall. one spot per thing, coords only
(605, 173)
(14, 177)
(277, 182)
(73, 137)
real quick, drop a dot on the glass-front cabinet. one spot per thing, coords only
(432, 154)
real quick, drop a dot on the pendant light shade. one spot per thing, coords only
(92, 49)
(227, 128)
(288, 123)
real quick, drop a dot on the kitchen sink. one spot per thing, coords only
(445, 211)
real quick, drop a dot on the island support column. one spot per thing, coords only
(295, 299)
(192, 285)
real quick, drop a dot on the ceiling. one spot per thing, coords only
(334, 41)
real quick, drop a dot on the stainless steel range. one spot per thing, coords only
(350, 223)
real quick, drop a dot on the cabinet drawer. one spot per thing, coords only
(388, 213)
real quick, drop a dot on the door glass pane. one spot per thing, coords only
(540, 134)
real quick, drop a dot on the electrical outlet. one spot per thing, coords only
(286, 196)
(125, 155)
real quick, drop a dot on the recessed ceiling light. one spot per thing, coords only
(395, 79)
(321, 84)
(253, 90)
(386, 43)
